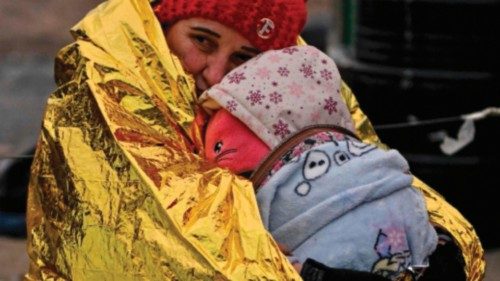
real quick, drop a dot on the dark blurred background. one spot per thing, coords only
(31, 33)
(406, 60)
(428, 60)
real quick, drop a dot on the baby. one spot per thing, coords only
(322, 192)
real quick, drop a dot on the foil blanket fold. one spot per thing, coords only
(118, 191)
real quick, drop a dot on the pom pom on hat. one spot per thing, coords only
(267, 24)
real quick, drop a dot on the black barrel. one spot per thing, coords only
(439, 34)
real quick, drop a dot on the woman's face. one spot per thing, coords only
(207, 49)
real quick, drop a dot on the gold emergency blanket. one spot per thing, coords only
(117, 191)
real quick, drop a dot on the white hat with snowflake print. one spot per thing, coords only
(283, 91)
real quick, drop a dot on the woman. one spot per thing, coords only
(117, 189)
(211, 38)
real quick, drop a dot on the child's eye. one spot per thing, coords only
(240, 58)
(218, 147)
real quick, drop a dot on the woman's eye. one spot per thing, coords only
(218, 147)
(203, 43)
(200, 39)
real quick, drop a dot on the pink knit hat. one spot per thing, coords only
(283, 91)
(267, 24)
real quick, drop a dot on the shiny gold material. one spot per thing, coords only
(116, 191)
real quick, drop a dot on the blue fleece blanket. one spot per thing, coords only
(349, 205)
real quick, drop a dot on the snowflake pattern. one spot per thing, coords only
(274, 58)
(263, 73)
(272, 83)
(323, 137)
(326, 74)
(283, 71)
(281, 129)
(315, 53)
(396, 238)
(330, 85)
(290, 50)
(295, 89)
(330, 105)
(311, 98)
(315, 116)
(275, 97)
(236, 77)
(255, 97)
(307, 71)
(231, 106)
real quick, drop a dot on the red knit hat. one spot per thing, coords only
(267, 24)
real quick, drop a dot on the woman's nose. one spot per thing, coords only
(216, 68)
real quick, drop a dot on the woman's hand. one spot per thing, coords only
(297, 265)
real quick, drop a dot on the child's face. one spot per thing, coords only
(231, 144)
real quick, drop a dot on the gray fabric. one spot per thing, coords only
(349, 205)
